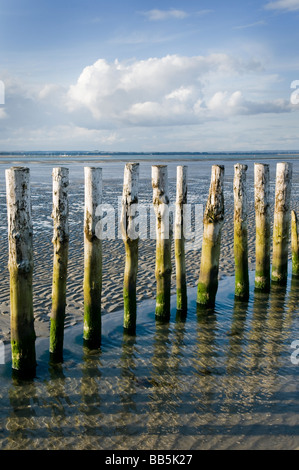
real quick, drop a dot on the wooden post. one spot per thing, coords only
(130, 238)
(240, 233)
(163, 241)
(181, 200)
(213, 222)
(295, 244)
(60, 242)
(20, 234)
(92, 259)
(281, 222)
(262, 224)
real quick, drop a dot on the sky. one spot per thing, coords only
(149, 76)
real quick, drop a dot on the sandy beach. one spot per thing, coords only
(223, 381)
(113, 250)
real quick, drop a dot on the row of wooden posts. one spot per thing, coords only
(20, 234)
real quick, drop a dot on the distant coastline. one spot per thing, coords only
(73, 153)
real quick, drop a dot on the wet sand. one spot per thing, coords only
(226, 384)
(113, 250)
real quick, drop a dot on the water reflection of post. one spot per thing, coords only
(91, 374)
(234, 355)
(257, 336)
(205, 360)
(251, 370)
(128, 366)
(178, 347)
(162, 382)
(21, 396)
(275, 326)
(292, 307)
(57, 398)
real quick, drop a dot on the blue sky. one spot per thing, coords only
(149, 76)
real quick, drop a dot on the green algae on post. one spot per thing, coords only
(262, 226)
(213, 223)
(20, 234)
(181, 200)
(295, 244)
(241, 233)
(130, 239)
(163, 241)
(281, 225)
(60, 243)
(92, 283)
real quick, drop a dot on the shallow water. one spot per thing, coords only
(222, 380)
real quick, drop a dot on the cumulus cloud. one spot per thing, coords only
(287, 5)
(164, 91)
(112, 100)
(235, 104)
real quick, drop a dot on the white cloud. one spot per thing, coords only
(204, 12)
(48, 91)
(287, 5)
(113, 102)
(158, 15)
(172, 90)
(223, 103)
(3, 114)
(251, 25)
(181, 94)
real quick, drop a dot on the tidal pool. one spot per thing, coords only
(223, 379)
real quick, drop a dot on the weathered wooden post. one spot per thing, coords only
(92, 284)
(262, 226)
(213, 222)
(181, 200)
(20, 234)
(295, 244)
(281, 222)
(240, 233)
(60, 241)
(163, 241)
(130, 238)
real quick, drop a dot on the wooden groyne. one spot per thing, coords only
(281, 222)
(20, 264)
(163, 241)
(20, 234)
(179, 239)
(241, 233)
(212, 227)
(262, 226)
(131, 241)
(92, 284)
(61, 244)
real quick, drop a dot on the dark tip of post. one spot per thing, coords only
(162, 320)
(242, 298)
(129, 333)
(56, 358)
(24, 374)
(92, 344)
(203, 310)
(181, 315)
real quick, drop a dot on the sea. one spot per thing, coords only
(227, 378)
